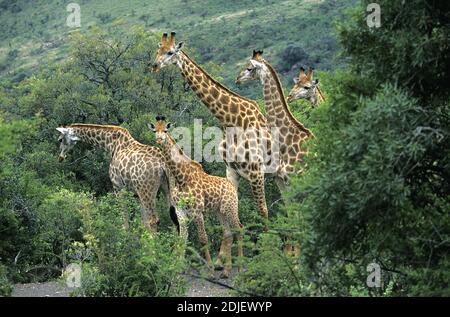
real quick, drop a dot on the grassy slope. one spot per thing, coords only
(222, 31)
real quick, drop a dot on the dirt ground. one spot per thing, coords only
(198, 287)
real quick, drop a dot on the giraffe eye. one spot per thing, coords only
(249, 69)
(307, 88)
(170, 53)
(60, 140)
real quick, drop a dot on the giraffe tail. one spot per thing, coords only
(172, 210)
(173, 216)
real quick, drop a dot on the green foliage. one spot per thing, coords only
(223, 32)
(377, 188)
(128, 262)
(60, 211)
(5, 284)
(278, 276)
(377, 185)
(411, 44)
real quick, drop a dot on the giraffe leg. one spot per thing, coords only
(149, 217)
(218, 264)
(125, 214)
(257, 185)
(233, 176)
(237, 228)
(228, 238)
(229, 218)
(165, 186)
(203, 237)
(288, 246)
(281, 183)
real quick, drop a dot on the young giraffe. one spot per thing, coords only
(292, 134)
(306, 88)
(231, 110)
(137, 166)
(196, 191)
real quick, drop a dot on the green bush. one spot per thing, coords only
(5, 284)
(271, 272)
(60, 224)
(128, 262)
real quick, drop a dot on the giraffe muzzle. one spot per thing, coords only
(155, 68)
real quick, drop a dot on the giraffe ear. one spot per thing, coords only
(295, 80)
(168, 125)
(255, 64)
(151, 126)
(75, 138)
(62, 130)
(179, 46)
(316, 81)
(310, 73)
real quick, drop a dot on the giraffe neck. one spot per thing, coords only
(110, 138)
(228, 107)
(318, 96)
(278, 113)
(181, 167)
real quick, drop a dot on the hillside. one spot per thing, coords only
(292, 33)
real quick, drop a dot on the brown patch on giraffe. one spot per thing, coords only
(214, 92)
(224, 99)
(234, 108)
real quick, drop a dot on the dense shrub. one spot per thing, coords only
(128, 262)
(279, 276)
(293, 55)
(5, 284)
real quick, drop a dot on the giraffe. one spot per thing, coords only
(306, 88)
(292, 134)
(232, 110)
(195, 191)
(137, 166)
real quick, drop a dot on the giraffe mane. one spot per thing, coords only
(189, 161)
(283, 100)
(99, 127)
(216, 82)
(197, 165)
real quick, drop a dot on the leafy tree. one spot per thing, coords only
(378, 185)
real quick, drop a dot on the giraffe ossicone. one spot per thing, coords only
(305, 87)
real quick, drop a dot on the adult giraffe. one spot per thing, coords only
(232, 110)
(137, 166)
(292, 134)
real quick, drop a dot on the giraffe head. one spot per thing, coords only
(254, 69)
(67, 141)
(160, 128)
(168, 52)
(304, 86)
